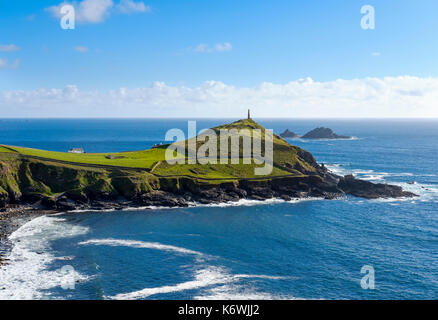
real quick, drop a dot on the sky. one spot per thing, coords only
(207, 58)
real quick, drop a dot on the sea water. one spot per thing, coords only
(301, 249)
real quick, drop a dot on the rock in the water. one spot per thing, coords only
(365, 189)
(288, 134)
(323, 133)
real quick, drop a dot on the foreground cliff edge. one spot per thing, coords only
(43, 180)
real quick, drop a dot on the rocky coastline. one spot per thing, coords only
(328, 186)
(31, 186)
(324, 185)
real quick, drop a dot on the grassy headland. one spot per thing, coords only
(66, 181)
(288, 160)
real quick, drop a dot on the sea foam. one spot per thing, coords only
(139, 244)
(27, 274)
(205, 276)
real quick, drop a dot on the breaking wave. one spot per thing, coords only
(139, 244)
(206, 276)
(27, 274)
(427, 192)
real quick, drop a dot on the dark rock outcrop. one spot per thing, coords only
(365, 189)
(323, 133)
(328, 186)
(288, 134)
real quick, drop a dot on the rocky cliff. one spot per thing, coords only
(45, 185)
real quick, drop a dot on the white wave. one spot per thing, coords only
(26, 276)
(239, 203)
(252, 202)
(427, 192)
(139, 244)
(206, 277)
(322, 139)
(242, 202)
(260, 276)
(131, 208)
(234, 292)
(337, 168)
(203, 278)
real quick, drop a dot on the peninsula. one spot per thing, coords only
(45, 180)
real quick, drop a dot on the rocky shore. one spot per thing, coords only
(31, 186)
(186, 192)
(13, 217)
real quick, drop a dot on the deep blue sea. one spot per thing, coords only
(303, 249)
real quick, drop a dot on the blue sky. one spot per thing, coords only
(273, 41)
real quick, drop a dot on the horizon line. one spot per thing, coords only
(218, 118)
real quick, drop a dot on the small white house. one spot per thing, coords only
(76, 150)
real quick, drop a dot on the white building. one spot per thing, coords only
(76, 150)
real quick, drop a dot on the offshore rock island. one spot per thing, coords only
(317, 133)
(45, 180)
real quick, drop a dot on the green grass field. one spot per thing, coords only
(286, 158)
(5, 150)
(135, 159)
(213, 171)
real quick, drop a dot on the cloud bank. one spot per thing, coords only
(404, 96)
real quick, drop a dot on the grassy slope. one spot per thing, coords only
(27, 176)
(285, 159)
(135, 159)
(5, 150)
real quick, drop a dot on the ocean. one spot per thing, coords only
(302, 249)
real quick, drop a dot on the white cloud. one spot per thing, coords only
(81, 49)
(404, 96)
(86, 11)
(8, 47)
(129, 6)
(201, 47)
(4, 64)
(219, 47)
(96, 11)
(375, 54)
(223, 47)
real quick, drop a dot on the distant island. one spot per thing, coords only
(288, 134)
(317, 133)
(323, 133)
(62, 181)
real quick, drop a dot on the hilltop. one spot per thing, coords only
(65, 181)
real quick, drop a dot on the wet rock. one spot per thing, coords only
(65, 204)
(365, 189)
(288, 134)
